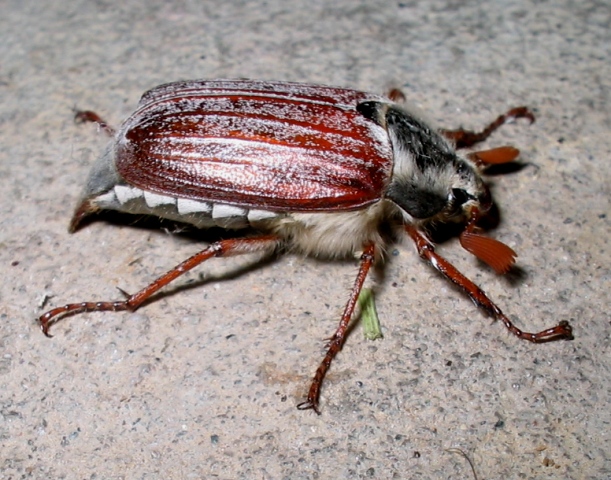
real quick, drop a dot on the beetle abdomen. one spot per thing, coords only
(337, 234)
(201, 214)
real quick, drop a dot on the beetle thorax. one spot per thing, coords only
(430, 181)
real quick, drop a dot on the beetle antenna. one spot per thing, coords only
(496, 254)
(494, 156)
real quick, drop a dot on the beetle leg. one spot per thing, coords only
(396, 95)
(83, 116)
(466, 138)
(426, 250)
(223, 248)
(337, 340)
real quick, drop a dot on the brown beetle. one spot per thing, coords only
(311, 168)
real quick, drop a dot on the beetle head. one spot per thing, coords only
(431, 183)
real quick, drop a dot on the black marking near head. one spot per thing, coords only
(370, 110)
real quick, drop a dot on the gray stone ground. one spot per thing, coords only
(203, 383)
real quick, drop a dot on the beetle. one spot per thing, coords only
(309, 168)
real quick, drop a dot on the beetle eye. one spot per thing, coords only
(460, 197)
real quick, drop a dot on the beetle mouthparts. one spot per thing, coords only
(485, 204)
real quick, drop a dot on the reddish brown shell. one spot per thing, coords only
(272, 145)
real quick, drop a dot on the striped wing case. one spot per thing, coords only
(276, 146)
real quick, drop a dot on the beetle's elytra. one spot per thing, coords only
(310, 168)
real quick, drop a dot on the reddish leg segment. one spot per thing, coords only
(466, 138)
(223, 248)
(337, 340)
(426, 250)
(87, 116)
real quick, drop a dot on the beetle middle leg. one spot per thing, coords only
(337, 340)
(223, 248)
(426, 250)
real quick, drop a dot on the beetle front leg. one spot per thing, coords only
(426, 250)
(222, 248)
(466, 138)
(338, 338)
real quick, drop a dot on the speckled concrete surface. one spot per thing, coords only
(203, 383)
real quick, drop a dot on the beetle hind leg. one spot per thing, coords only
(223, 248)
